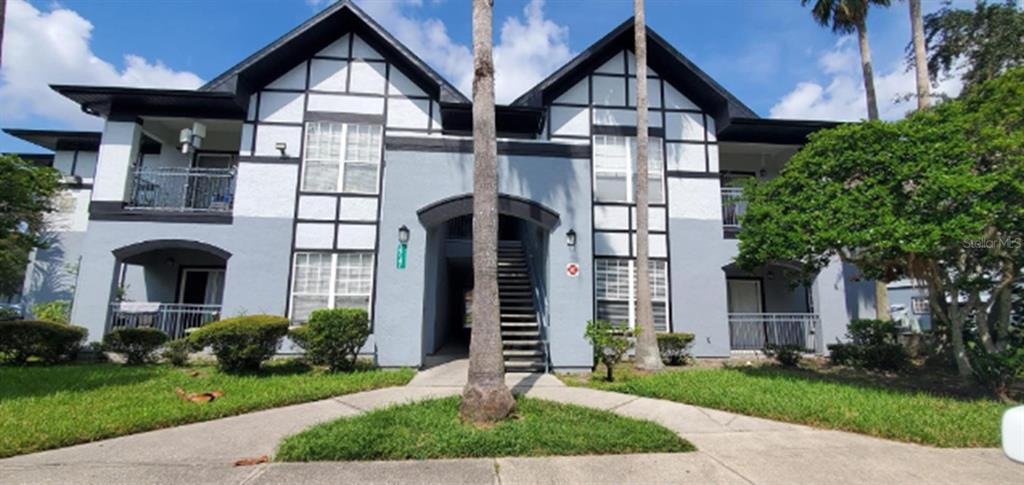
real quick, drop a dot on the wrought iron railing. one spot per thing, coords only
(183, 189)
(172, 318)
(733, 206)
(755, 331)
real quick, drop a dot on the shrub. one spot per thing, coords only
(874, 344)
(242, 343)
(998, 371)
(49, 341)
(96, 351)
(8, 313)
(176, 352)
(610, 341)
(674, 347)
(135, 344)
(333, 337)
(785, 355)
(53, 311)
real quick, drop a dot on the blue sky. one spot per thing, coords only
(769, 53)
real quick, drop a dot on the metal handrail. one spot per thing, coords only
(756, 331)
(184, 189)
(174, 319)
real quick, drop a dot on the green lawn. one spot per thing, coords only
(45, 407)
(806, 397)
(433, 429)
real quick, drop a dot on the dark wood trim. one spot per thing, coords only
(345, 117)
(685, 174)
(269, 159)
(625, 130)
(505, 147)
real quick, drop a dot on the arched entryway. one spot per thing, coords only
(523, 231)
(170, 284)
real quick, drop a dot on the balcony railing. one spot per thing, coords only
(733, 206)
(755, 331)
(172, 318)
(183, 189)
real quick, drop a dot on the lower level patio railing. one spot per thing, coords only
(173, 318)
(755, 331)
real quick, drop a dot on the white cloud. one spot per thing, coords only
(528, 48)
(842, 98)
(63, 35)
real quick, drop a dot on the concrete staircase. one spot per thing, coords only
(520, 330)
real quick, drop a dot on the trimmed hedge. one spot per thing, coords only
(874, 344)
(333, 337)
(242, 343)
(50, 342)
(674, 347)
(135, 344)
(176, 352)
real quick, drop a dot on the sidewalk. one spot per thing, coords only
(731, 449)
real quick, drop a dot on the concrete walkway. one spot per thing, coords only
(731, 449)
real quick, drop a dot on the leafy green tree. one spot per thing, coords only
(26, 195)
(988, 39)
(938, 197)
(610, 341)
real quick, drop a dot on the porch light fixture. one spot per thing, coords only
(281, 147)
(403, 235)
(570, 238)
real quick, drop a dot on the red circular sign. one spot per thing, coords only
(572, 269)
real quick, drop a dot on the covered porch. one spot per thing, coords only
(173, 286)
(767, 307)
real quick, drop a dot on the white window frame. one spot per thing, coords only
(654, 166)
(332, 293)
(339, 186)
(920, 305)
(631, 272)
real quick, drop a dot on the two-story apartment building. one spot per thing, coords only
(289, 182)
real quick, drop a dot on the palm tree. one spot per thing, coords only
(920, 59)
(847, 17)
(647, 355)
(485, 398)
(3, 17)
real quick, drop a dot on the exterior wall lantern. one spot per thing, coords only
(570, 238)
(403, 235)
(281, 147)
(403, 243)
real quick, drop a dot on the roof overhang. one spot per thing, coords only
(118, 103)
(771, 131)
(510, 121)
(58, 140)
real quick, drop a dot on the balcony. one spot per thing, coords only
(174, 319)
(733, 206)
(182, 189)
(756, 331)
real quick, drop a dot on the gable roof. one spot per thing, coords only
(311, 36)
(670, 64)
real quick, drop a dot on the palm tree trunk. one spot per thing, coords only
(485, 399)
(647, 356)
(881, 289)
(3, 18)
(920, 59)
(865, 64)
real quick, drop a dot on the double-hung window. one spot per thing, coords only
(615, 169)
(325, 280)
(341, 157)
(616, 291)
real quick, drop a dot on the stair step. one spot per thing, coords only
(519, 325)
(522, 353)
(521, 333)
(522, 343)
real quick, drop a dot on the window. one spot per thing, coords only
(615, 166)
(616, 291)
(325, 280)
(341, 157)
(920, 305)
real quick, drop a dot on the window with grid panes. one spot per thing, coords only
(615, 291)
(615, 168)
(325, 280)
(341, 157)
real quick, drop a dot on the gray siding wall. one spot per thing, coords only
(414, 180)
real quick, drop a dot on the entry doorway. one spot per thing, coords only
(745, 295)
(201, 286)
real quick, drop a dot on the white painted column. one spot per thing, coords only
(119, 147)
(830, 303)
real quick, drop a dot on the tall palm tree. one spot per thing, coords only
(3, 17)
(485, 398)
(920, 58)
(847, 17)
(647, 355)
